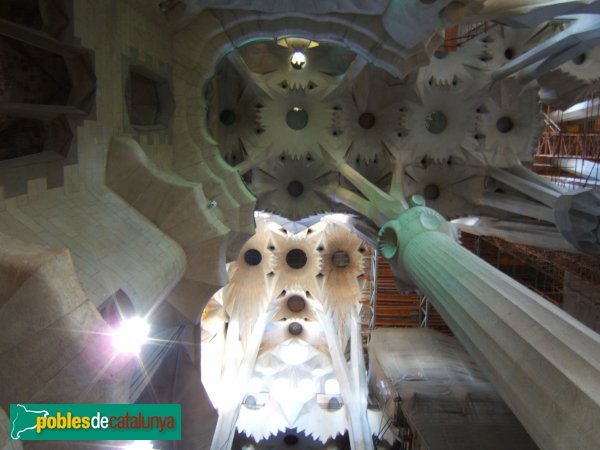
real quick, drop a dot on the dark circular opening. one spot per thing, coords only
(296, 303)
(296, 258)
(509, 53)
(252, 257)
(504, 124)
(366, 120)
(431, 192)
(388, 242)
(250, 401)
(296, 118)
(295, 328)
(436, 122)
(579, 59)
(295, 188)
(334, 403)
(340, 259)
(227, 117)
(440, 54)
(290, 439)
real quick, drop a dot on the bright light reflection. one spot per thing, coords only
(254, 385)
(318, 372)
(468, 221)
(140, 445)
(307, 385)
(332, 387)
(280, 387)
(131, 335)
(337, 217)
(294, 353)
(267, 370)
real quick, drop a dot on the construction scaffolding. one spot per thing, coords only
(539, 269)
(568, 151)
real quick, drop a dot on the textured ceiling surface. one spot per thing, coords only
(433, 132)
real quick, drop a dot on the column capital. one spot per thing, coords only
(395, 235)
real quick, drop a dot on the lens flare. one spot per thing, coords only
(131, 335)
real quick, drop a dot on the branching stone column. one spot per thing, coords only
(352, 385)
(544, 363)
(576, 213)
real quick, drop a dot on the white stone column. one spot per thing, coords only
(235, 378)
(354, 392)
(544, 363)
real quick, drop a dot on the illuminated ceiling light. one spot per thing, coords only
(131, 335)
(298, 60)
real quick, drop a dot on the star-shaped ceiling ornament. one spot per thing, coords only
(366, 116)
(286, 186)
(508, 124)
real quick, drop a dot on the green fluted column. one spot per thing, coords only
(544, 363)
